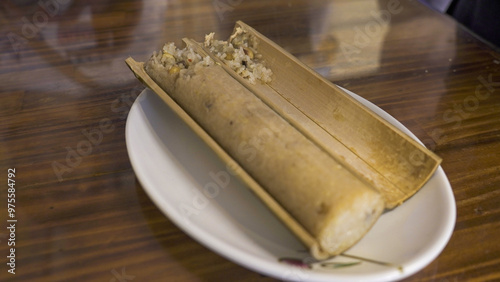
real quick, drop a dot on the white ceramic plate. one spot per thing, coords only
(189, 183)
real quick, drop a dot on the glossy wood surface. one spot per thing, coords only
(65, 93)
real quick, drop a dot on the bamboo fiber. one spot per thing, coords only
(355, 137)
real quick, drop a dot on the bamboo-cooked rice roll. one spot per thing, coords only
(330, 202)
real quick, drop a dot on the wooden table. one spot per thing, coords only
(66, 91)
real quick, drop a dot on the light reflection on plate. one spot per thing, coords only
(195, 189)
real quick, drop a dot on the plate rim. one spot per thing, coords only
(242, 258)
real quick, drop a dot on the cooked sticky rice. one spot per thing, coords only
(240, 54)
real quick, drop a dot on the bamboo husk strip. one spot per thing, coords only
(395, 164)
(296, 228)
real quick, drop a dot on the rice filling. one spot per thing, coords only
(239, 53)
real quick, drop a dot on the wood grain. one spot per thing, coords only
(67, 76)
